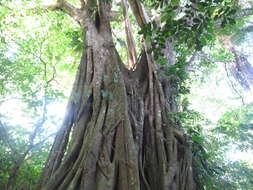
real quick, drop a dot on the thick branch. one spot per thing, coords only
(139, 12)
(72, 11)
(82, 3)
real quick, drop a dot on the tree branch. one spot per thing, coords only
(41, 142)
(139, 12)
(82, 3)
(132, 57)
(232, 85)
(76, 13)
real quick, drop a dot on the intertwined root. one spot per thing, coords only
(117, 134)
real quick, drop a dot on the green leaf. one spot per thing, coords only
(165, 18)
(175, 2)
(209, 37)
(203, 42)
(197, 139)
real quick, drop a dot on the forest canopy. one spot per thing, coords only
(157, 93)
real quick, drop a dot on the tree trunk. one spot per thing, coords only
(116, 134)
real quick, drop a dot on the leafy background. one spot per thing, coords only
(39, 54)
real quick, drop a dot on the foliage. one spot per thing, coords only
(13, 144)
(241, 174)
(36, 58)
(35, 54)
(189, 23)
(212, 168)
(237, 127)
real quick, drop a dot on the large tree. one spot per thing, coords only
(117, 132)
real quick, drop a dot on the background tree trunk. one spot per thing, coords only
(116, 134)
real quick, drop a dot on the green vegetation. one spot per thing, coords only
(40, 50)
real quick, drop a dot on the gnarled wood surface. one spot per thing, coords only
(116, 134)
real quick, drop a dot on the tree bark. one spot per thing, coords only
(132, 56)
(116, 134)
